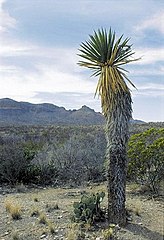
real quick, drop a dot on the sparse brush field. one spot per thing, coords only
(45, 213)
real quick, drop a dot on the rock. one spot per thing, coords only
(6, 233)
(56, 238)
(140, 223)
(61, 237)
(129, 219)
(64, 211)
(43, 236)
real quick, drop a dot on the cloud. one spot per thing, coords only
(28, 68)
(70, 100)
(48, 84)
(146, 70)
(148, 108)
(18, 83)
(34, 68)
(11, 48)
(6, 20)
(149, 55)
(149, 89)
(155, 22)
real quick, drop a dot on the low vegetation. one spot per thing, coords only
(52, 184)
(88, 209)
(13, 208)
(144, 215)
(146, 158)
(74, 155)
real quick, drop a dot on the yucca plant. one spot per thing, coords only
(105, 56)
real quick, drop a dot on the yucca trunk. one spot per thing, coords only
(117, 126)
(107, 56)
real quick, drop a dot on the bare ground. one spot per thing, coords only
(146, 219)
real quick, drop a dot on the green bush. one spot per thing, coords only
(146, 158)
(88, 209)
(12, 163)
(15, 161)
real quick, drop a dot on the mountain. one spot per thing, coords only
(24, 113)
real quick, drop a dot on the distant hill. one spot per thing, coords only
(24, 113)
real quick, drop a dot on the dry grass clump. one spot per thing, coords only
(109, 233)
(8, 204)
(36, 199)
(43, 219)
(73, 231)
(35, 212)
(136, 207)
(13, 208)
(51, 227)
(52, 207)
(15, 236)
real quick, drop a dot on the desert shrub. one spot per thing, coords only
(42, 167)
(80, 158)
(12, 163)
(16, 156)
(88, 209)
(15, 161)
(73, 155)
(42, 174)
(146, 158)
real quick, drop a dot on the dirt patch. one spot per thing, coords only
(54, 207)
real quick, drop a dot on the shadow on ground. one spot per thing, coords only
(144, 232)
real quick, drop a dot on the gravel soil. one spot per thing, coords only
(45, 214)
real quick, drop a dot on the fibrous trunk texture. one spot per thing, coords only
(117, 126)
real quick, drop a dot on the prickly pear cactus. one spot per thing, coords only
(88, 209)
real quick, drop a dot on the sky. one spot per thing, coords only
(39, 51)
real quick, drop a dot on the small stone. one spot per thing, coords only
(140, 223)
(43, 236)
(61, 237)
(64, 211)
(117, 227)
(129, 219)
(6, 233)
